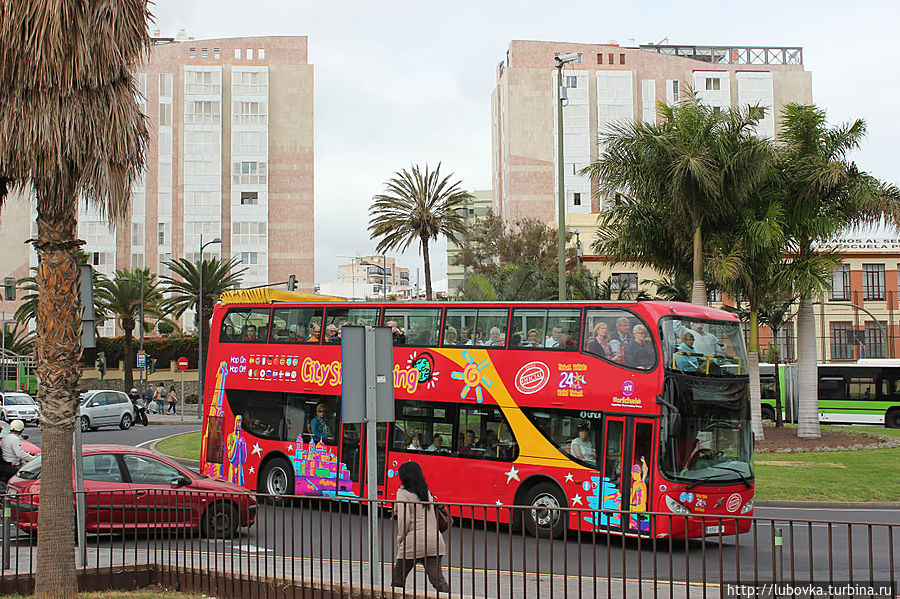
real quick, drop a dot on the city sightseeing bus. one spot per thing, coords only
(500, 403)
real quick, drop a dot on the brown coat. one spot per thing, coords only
(417, 528)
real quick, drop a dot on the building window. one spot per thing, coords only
(137, 233)
(164, 260)
(249, 53)
(137, 260)
(612, 59)
(249, 198)
(249, 258)
(713, 83)
(571, 81)
(621, 59)
(203, 83)
(840, 284)
(576, 199)
(165, 85)
(204, 52)
(676, 89)
(202, 112)
(249, 113)
(249, 173)
(161, 233)
(237, 53)
(714, 296)
(216, 53)
(249, 83)
(874, 340)
(624, 281)
(843, 337)
(599, 58)
(165, 115)
(873, 282)
(193, 52)
(261, 53)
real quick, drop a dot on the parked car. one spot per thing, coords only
(134, 488)
(18, 405)
(105, 408)
(26, 445)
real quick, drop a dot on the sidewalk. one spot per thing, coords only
(190, 417)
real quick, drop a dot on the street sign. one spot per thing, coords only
(142, 359)
(182, 363)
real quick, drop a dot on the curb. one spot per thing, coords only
(838, 505)
(195, 464)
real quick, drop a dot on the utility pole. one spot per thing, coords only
(561, 61)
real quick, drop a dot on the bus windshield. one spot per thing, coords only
(703, 347)
(711, 441)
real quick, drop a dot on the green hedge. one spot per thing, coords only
(164, 349)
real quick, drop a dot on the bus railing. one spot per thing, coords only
(300, 546)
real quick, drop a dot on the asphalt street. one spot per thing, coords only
(135, 436)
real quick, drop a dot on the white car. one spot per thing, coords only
(105, 408)
(18, 405)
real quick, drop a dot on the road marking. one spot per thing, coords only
(152, 441)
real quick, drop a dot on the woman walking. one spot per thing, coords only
(171, 399)
(418, 537)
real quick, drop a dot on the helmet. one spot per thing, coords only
(134, 389)
(17, 426)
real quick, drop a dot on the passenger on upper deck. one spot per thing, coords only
(621, 338)
(599, 343)
(684, 360)
(399, 337)
(496, 337)
(450, 336)
(332, 335)
(533, 338)
(250, 333)
(705, 343)
(468, 446)
(640, 353)
(555, 338)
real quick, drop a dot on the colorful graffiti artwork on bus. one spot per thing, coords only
(318, 472)
(472, 378)
(638, 502)
(603, 495)
(216, 411)
(236, 453)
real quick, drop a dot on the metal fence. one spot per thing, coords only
(325, 547)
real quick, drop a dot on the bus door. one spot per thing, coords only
(353, 451)
(627, 446)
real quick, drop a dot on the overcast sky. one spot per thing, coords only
(405, 82)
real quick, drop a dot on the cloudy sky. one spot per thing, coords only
(406, 82)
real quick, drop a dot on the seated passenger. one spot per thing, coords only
(640, 353)
(398, 336)
(315, 330)
(464, 336)
(476, 337)
(468, 445)
(331, 334)
(495, 337)
(450, 336)
(684, 360)
(250, 333)
(490, 443)
(581, 447)
(415, 443)
(568, 340)
(263, 333)
(515, 340)
(423, 338)
(437, 444)
(228, 333)
(555, 339)
(533, 339)
(599, 343)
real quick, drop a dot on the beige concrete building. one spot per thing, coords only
(474, 210)
(370, 277)
(230, 157)
(607, 84)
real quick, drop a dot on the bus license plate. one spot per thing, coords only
(713, 530)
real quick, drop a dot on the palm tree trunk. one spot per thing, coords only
(427, 258)
(128, 358)
(698, 296)
(807, 375)
(58, 344)
(753, 369)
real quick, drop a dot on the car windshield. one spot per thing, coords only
(703, 347)
(710, 440)
(31, 470)
(18, 400)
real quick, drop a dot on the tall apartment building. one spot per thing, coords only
(608, 83)
(230, 157)
(474, 210)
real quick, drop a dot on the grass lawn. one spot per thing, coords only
(869, 475)
(185, 446)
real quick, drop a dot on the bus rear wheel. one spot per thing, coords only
(892, 418)
(768, 413)
(545, 519)
(277, 478)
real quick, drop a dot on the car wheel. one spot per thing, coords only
(125, 424)
(892, 418)
(3, 417)
(221, 521)
(277, 478)
(542, 519)
(768, 413)
(85, 424)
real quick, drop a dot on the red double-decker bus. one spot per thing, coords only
(634, 406)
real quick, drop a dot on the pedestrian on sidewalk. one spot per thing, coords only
(418, 537)
(171, 400)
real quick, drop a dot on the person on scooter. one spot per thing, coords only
(140, 407)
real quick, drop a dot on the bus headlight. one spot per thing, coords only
(675, 507)
(748, 507)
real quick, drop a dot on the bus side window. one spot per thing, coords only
(296, 325)
(245, 325)
(417, 326)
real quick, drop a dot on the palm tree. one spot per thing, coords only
(694, 166)
(27, 310)
(120, 297)
(71, 130)
(183, 285)
(510, 282)
(824, 192)
(417, 206)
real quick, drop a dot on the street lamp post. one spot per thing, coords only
(141, 333)
(201, 371)
(561, 61)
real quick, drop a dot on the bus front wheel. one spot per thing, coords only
(892, 418)
(277, 478)
(544, 518)
(768, 413)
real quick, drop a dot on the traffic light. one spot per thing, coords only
(101, 363)
(292, 283)
(151, 365)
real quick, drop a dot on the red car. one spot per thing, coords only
(134, 488)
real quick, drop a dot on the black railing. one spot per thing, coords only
(324, 547)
